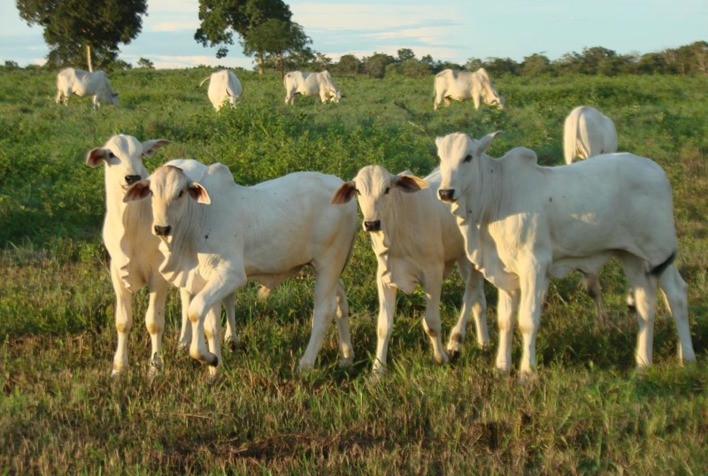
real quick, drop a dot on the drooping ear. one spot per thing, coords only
(198, 193)
(138, 191)
(151, 146)
(96, 155)
(344, 193)
(479, 147)
(409, 183)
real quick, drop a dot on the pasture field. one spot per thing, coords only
(588, 411)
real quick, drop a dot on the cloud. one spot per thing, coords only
(167, 26)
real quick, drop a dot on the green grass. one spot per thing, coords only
(588, 411)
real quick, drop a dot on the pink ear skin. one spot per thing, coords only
(198, 193)
(137, 191)
(95, 156)
(409, 183)
(344, 194)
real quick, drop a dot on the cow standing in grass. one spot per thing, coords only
(588, 132)
(416, 240)
(524, 224)
(224, 87)
(215, 235)
(462, 85)
(82, 83)
(310, 84)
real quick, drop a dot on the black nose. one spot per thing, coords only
(162, 230)
(372, 225)
(131, 179)
(446, 194)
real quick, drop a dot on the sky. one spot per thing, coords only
(449, 30)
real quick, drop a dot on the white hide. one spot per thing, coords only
(416, 241)
(82, 83)
(524, 224)
(588, 132)
(310, 84)
(224, 87)
(461, 85)
(215, 235)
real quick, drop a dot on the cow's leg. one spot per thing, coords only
(96, 103)
(475, 98)
(591, 283)
(432, 323)
(323, 96)
(439, 96)
(124, 321)
(289, 96)
(212, 332)
(384, 327)
(341, 316)
(533, 290)
(185, 334)
(507, 307)
(214, 292)
(644, 287)
(155, 323)
(59, 97)
(673, 288)
(472, 300)
(325, 307)
(229, 305)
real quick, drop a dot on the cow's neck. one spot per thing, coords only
(181, 254)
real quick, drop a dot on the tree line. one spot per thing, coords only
(91, 30)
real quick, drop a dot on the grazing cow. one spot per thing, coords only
(461, 85)
(224, 86)
(310, 84)
(216, 234)
(135, 258)
(524, 224)
(82, 83)
(416, 240)
(588, 132)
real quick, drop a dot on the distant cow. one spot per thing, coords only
(461, 85)
(224, 86)
(588, 132)
(82, 83)
(310, 84)
(216, 234)
(524, 224)
(416, 240)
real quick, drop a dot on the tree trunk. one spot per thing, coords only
(88, 58)
(259, 60)
(281, 61)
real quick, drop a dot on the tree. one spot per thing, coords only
(375, 65)
(74, 26)
(535, 65)
(275, 40)
(145, 63)
(253, 21)
(405, 54)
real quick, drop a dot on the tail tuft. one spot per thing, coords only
(657, 270)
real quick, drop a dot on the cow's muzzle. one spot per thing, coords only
(447, 194)
(131, 179)
(372, 225)
(163, 230)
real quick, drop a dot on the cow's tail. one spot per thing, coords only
(570, 136)
(204, 81)
(660, 268)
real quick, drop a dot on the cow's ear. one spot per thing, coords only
(409, 183)
(438, 141)
(198, 193)
(96, 155)
(137, 191)
(481, 146)
(344, 193)
(151, 146)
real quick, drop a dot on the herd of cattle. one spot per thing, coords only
(507, 220)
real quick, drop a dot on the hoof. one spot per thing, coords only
(441, 359)
(453, 354)
(213, 362)
(346, 361)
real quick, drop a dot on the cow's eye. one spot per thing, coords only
(468, 158)
(388, 189)
(111, 155)
(181, 192)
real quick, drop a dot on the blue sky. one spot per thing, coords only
(453, 30)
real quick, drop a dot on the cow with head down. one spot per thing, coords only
(215, 235)
(82, 83)
(416, 241)
(224, 88)
(310, 84)
(524, 224)
(462, 85)
(588, 132)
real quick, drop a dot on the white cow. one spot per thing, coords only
(310, 84)
(82, 83)
(224, 86)
(216, 234)
(588, 132)
(135, 258)
(416, 240)
(461, 85)
(524, 224)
